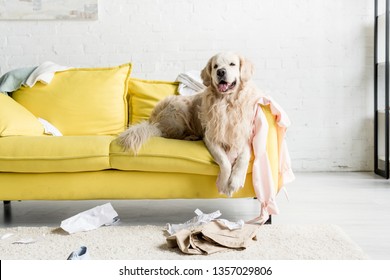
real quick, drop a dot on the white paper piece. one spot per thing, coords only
(91, 219)
(190, 83)
(6, 235)
(114, 222)
(232, 225)
(198, 220)
(49, 128)
(25, 241)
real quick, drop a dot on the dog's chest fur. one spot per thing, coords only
(227, 120)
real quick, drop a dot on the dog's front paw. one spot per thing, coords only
(222, 184)
(223, 178)
(234, 184)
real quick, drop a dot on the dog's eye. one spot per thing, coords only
(215, 66)
(232, 64)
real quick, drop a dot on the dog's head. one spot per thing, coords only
(227, 72)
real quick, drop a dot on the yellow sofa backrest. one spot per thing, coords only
(145, 94)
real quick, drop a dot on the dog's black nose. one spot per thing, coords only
(221, 72)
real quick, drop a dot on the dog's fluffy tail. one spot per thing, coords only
(135, 136)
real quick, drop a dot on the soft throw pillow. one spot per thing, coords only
(17, 120)
(145, 94)
(81, 101)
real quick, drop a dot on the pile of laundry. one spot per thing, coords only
(206, 234)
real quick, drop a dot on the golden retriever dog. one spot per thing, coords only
(221, 115)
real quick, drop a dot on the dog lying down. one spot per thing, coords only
(221, 115)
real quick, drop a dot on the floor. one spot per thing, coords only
(359, 202)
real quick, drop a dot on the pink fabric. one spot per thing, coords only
(263, 183)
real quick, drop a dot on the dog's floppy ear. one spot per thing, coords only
(206, 73)
(246, 69)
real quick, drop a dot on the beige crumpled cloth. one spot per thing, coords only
(213, 237)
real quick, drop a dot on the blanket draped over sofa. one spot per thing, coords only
(90, 107)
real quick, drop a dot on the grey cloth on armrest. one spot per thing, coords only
(14, 79)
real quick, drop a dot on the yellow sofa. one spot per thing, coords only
(90, 107)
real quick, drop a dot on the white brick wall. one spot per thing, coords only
(313, 56)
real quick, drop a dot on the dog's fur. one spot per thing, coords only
(221, 115)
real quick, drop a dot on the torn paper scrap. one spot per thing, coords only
(232, 225)
(200, 219)
(6, 235)
(114, 222)
(91, 219)
(25, 241)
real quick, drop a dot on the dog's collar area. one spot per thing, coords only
(224, 86)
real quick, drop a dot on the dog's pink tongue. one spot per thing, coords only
(223, 87)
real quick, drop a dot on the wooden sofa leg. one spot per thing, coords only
(6, 202)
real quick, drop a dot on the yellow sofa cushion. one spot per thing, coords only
(17, 120)
(42, 154)
(145, 94)
(166, 155)
(82, 101)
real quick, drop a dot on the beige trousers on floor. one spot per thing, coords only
(213, 237)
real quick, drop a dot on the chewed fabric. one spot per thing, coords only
(263, 183)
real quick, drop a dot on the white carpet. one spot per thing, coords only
(275, 242)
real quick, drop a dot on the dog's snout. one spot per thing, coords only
(221, 72)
